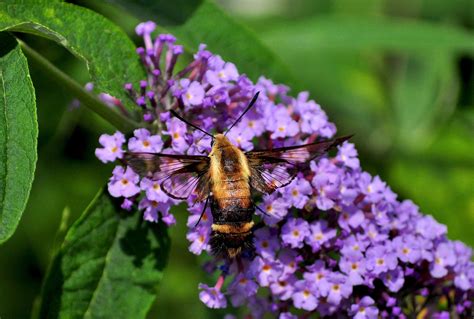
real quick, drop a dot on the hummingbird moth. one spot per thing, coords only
(225, 179)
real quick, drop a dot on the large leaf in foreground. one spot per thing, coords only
(108, 52)
(110, 264)
(18, 134)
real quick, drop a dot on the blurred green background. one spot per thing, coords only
(409, 102)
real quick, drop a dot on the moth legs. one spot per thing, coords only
(203, 211)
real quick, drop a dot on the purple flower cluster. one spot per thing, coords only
(336, 241)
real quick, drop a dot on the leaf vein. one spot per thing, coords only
(4, 190)
(103, 274)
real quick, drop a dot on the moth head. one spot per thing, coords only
(218, 143)
(220, 140)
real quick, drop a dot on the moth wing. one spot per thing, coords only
(180, 175)
(275, 168)
(181, 185)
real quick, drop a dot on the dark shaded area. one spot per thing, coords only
(53, 289)
(7, 42)
(166, 12)
(136, 243)
(78, 145)
(466, 74)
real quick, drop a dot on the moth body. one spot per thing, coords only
(231, 203)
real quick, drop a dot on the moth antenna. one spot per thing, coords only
(173, 112)
(252, 102)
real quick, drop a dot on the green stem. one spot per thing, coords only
(89, 100)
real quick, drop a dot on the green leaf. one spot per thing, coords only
(345, 83)
(441, 178)
(18, 134)
(351, 33)
(204, 22)
(110, 264)
(108, 52)
(346, 73)
(455, 11)
(165, 12)
(424, 96)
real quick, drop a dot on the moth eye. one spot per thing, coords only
(212, 142)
